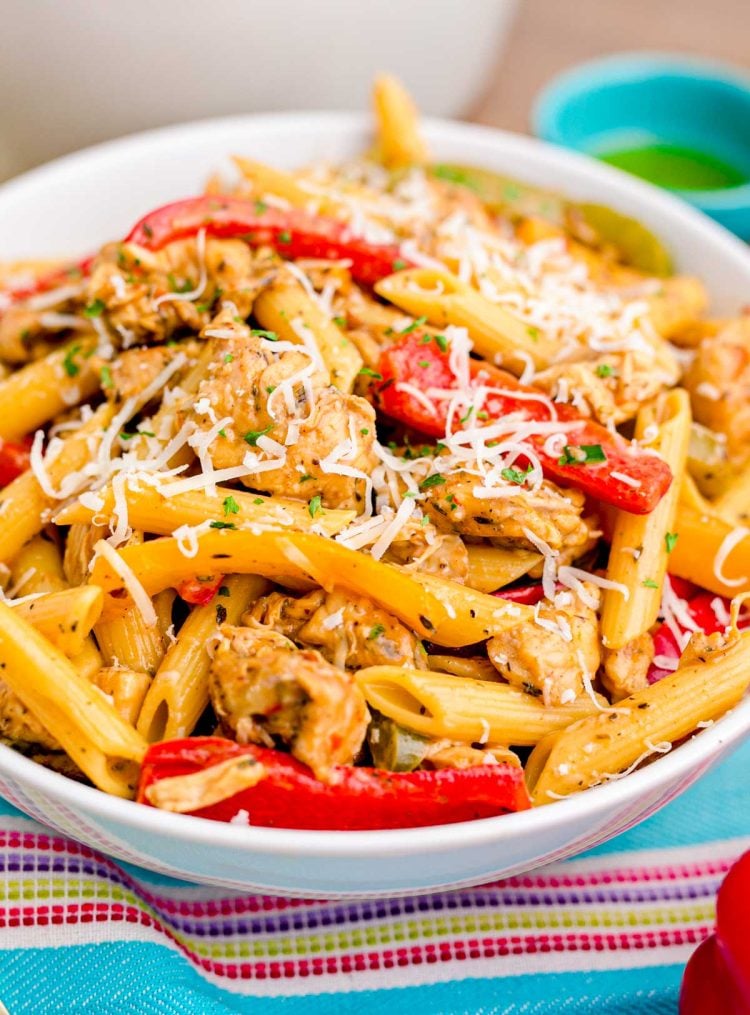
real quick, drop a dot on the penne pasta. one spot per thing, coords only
(734, 504)
(66, 617)
(179, 693)
(126, 688)
(89, 660)
(641, 544)
(286, 309)
(38, 567)
(459, 708)
(159, 514)
(711, 552)
(24, 504)
(441, 610)
(76, 714)
(399, 143)
(476, 667)
(600, 747)
(444, 299)
(35, 394)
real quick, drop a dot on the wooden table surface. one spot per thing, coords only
(550, 35)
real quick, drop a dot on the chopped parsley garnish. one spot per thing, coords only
(223, 590)
(468, 414)
(285, 236)
(260, 333)
(649, 583)
(532, 332)
(252, 436)
(221, 613)
(441, 342)
(425, 339)
(228, 357)
(364, 431)
(304, 479)
(260, 206)
(222, 525)
(341, 321)
(517, 476)
(434, 480)
(416, 323)
(259, 501)
(70, 366)
(314, 507)
(605, 370)
(483, 415)
(185, 286)
(424, 363)
(94, 309)
(369, 372)
(230, 505)
(105, 375)
(222, 432)
(375, 632)
(670, 539)
(584, 454)
(398, 264)
(127, 436)
(202, 308)
(270, 388)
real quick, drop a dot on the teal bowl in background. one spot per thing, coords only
(630, 101)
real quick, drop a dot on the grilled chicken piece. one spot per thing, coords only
(550, 514)
(349, 631)
(625, 668)
(610, 388)
(719, 384)
(19, 727)
(548, 656)
(266, 691)
(246, 386)
(422, 548)
(135, 369)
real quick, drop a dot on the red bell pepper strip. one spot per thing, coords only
(197, 591)
(14, 459)
(717, 977)
(293, 233)
(357, 798)
(48, 281)
(418, 362)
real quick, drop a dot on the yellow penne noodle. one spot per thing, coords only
(678, 302)
(285, 308)
(399, 142)
(734, 504)
(477, 667)
(66, 618)
(38, 567)
(444, 299)
(89, 660)
(493, 567)
(443, 611)
(442, 705)
(179, 692)
(711, 552)
(639, 552)
(163, 604)
(23, 503)
(268, 180)
(600, 747)
(126, 688)
(64, 701)
(36, 394)
(156, 513)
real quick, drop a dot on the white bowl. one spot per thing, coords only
(72, 206)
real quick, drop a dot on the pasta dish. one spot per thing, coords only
(373, 495)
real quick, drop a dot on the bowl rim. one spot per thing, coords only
(624, 68)
(373, 844)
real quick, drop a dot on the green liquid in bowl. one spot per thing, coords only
(676, 168)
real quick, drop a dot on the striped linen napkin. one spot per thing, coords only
(607, 932)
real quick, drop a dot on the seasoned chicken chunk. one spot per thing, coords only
(550, 514)
(719, 384)
(422, 548)
(610, 388)
(625, 668)
(18, 726)
(135, 369)
(348, 630)
(548, 656)
(307, 420)
(266, 691)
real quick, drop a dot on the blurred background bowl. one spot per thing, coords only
(668, 114)
(76, 72)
